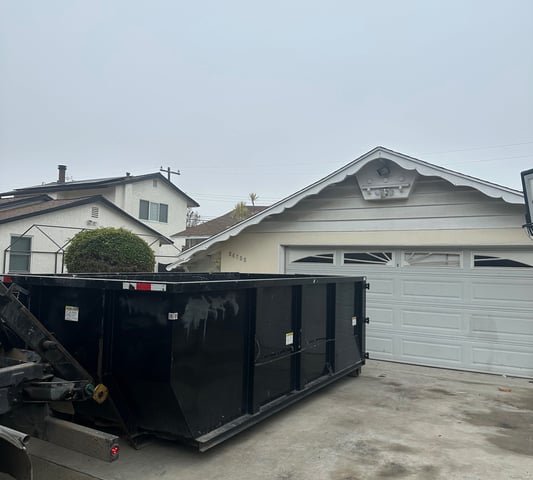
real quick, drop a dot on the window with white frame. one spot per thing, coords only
(316, 258)
(158, 212)
(431, 259)
(367, 258)
(499, 261)
(19, 254)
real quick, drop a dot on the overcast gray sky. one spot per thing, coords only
(262, 96)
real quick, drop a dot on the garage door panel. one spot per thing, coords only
(381, 316)
(428, 351)
(313, 269)
(381, 346)
(512, 293)
(381, 288)
(432, 289)
(494, 326)
(487, 358)
(431, 321)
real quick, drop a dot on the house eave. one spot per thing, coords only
(409, 163)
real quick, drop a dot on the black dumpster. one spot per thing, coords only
(200, 357)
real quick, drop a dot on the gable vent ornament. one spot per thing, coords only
(384, 180)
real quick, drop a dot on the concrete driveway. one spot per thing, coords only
(394, 421)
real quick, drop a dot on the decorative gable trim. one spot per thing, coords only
(404, 161)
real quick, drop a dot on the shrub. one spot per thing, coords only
(108, 250)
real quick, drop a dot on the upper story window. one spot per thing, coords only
(158, 212)
(19, 254)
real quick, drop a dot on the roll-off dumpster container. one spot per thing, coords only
(200, 357)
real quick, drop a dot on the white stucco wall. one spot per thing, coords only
(78, 218)
(128, 196)
(162, 193)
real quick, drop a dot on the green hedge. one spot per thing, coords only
(108, 250)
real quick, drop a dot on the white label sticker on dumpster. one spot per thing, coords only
(71, 313)
(354, 321)
(289, 338)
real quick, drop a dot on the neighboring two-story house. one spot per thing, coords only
(47, 216)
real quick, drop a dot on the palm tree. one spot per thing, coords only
(240, 211)
(253, 198)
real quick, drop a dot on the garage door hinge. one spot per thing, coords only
(367, 286)
(367, 320)
(367, 355)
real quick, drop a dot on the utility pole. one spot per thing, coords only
(169, 172)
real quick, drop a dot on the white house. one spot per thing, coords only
(151, 198)
(449, 266)
(50, 214)
(36, 230)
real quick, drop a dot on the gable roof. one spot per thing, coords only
(99, 183)
(493, 190)
(28, 210)
(217, 225)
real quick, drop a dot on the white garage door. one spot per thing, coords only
(468, 310)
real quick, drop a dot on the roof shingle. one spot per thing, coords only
(217, 225)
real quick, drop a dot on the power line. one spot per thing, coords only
(489, 159)
(227, 199)
(215, 196)
(251, 166)
(289, 173)
(223, 198)
(478, 148)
